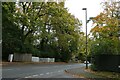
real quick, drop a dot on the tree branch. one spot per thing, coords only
(39, 11)
(30, 31)
(28, 6)
(23, 29)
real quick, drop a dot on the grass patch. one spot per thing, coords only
(105, 74)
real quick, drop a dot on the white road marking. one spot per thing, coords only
(31, 76)
(39, 67)
(8, 69)
(41, 74)
(34, 75)
(47, 73)
(26, 77)
(18, 79)
(12, 69)
(59, 71)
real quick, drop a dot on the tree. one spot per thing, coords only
(60, 32)
(11, 35)
(106, 30)
(43, 29)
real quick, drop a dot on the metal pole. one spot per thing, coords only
(86, 40)
(86, 35)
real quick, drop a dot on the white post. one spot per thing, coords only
(119, 66)
(10, 57)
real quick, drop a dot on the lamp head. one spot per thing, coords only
(84, 8)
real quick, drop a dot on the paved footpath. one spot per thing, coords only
(82, 73)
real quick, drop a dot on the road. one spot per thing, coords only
(38, 71)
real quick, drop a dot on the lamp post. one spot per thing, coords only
(86, 35)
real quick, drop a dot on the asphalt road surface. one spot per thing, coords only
(38, 71)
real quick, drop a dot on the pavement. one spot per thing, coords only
(82, 73)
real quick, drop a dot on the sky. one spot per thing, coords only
(93, 9)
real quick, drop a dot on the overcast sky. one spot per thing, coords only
(75, 8)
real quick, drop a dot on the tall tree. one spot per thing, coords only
(11, 35)
(43, 28)
(106, 30)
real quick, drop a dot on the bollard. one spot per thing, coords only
(119, 66)
(10, 57)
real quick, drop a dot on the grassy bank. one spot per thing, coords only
(106, 74)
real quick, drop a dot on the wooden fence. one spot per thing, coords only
(107, 62)
(22, 57)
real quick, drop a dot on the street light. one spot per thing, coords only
(86, 35)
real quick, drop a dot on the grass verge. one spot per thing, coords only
(106, 74)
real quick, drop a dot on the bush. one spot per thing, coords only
(93, 67)
(105, 46)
